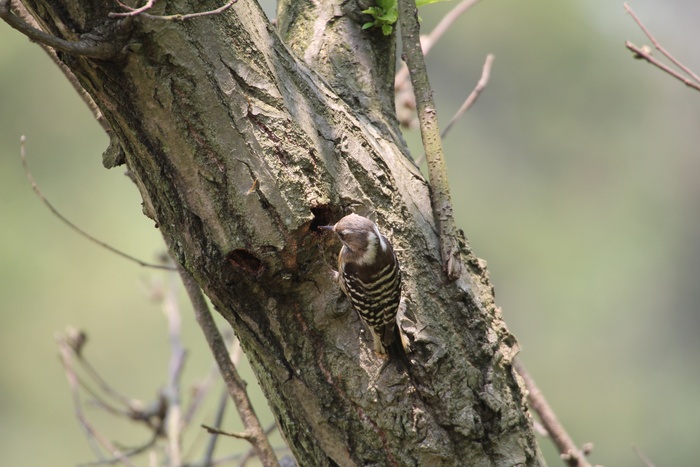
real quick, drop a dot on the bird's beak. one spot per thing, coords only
(326, 227)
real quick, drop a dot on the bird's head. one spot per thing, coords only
(360, 236)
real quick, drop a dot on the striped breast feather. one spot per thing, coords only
(374, 294)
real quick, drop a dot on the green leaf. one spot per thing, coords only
(391, 17)
(385, 14)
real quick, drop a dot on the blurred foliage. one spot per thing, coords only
(575, 175)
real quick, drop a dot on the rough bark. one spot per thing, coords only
(239, 150)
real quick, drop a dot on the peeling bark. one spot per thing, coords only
(239, 149)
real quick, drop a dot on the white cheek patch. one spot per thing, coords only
(371, 252)
(382, 243)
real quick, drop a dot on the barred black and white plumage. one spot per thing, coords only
(370, 276)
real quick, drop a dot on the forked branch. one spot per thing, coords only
(686, 75)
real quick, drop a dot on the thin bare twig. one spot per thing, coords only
(211, 445)
(70, 224)
(202, 389)
(74, 341)
(199, 393)
(102, 384)
(404, 98)
(437, 172)
(99, 401)
(131, 453)
(236, 354)
(639, 52)
(173, 418)
(483, 81)
(164, 416)
(239, 434)
(428, 41)
(251, 453)
(569, 453)
(66, 353)
(469, 101)
(180, 17)
(642, 456)
(658, 46)
(234, 383)
(238, 457)
(132, 11)
(645, 53)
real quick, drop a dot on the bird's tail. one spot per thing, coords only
(395, 345)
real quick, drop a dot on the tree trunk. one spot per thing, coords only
(240, 145)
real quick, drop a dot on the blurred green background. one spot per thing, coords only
(576, 176)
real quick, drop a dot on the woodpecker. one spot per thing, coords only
(369, 275)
